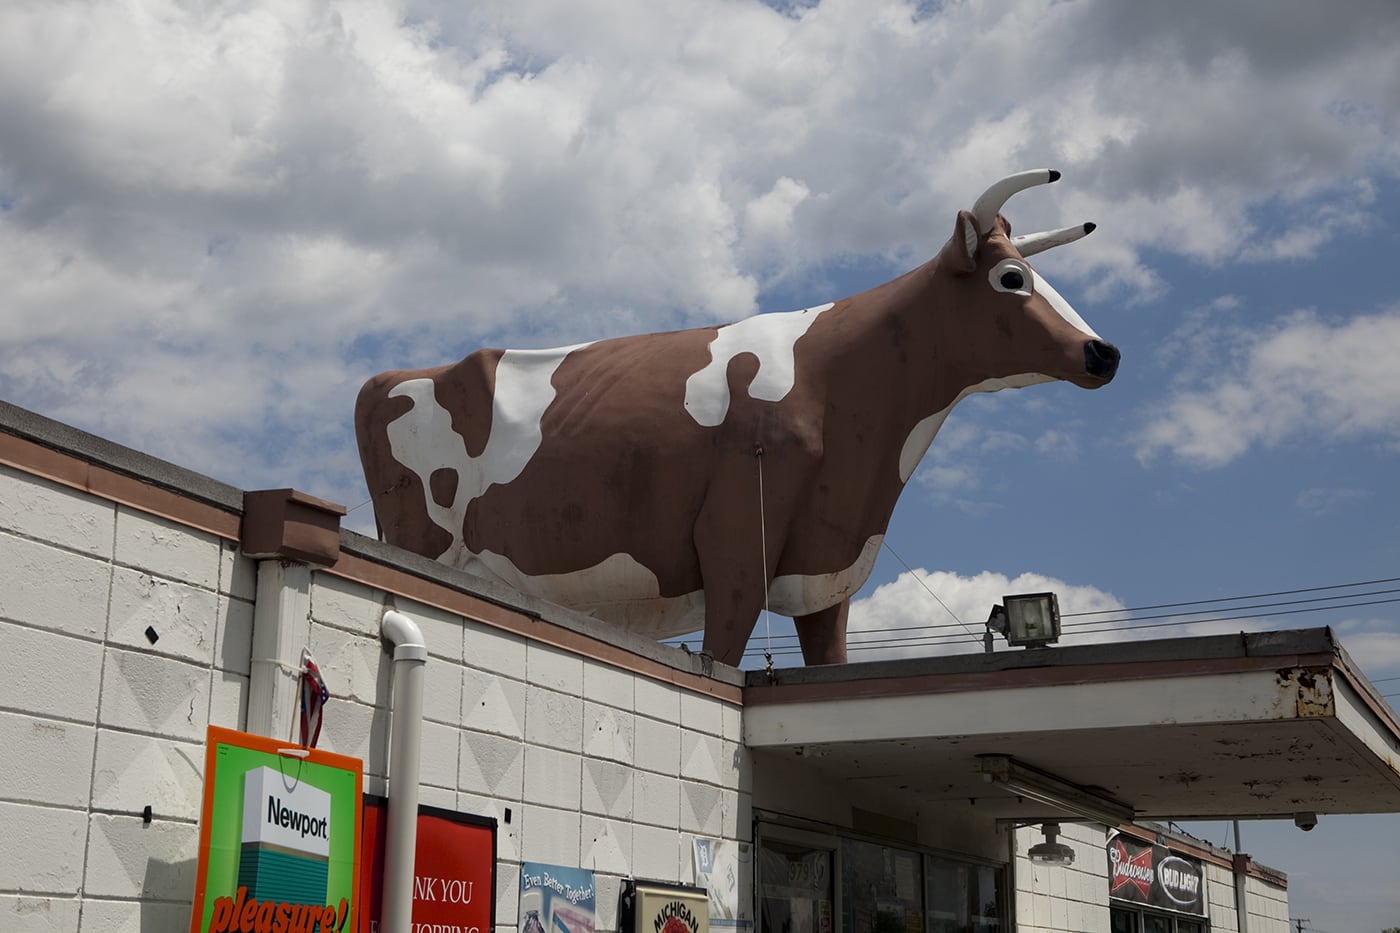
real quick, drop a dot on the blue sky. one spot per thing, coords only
(217, 220)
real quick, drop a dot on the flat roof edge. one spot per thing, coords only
(1282, 644)
(74, 442)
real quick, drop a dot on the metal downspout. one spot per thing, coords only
(1241, 869)
(405, 744)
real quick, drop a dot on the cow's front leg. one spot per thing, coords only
(822, 634)
(738, 556)
(735, 585)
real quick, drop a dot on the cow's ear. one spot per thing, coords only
(959, 255)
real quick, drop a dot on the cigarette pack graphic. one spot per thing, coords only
(286, 839)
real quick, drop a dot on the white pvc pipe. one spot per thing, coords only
(405, 743)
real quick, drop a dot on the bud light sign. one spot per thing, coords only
(1142, 873)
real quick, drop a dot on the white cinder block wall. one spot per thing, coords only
(97, 720)
(1268, 907)
(582, 763)
(1072, 899)
(1220, 899)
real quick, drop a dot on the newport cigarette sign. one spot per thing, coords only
(279, 838)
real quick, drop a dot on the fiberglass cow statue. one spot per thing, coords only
(675, 481)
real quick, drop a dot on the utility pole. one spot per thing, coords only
(1299, 923)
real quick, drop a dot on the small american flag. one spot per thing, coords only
(313, 699)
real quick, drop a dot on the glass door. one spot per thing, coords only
(795, 887)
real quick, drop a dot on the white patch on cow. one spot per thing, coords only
(921, 436)
(422, 438)
(632, 599)
(1061, 306)
(770, 337)
(802, 594)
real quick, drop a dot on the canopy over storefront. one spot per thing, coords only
(1259, 725)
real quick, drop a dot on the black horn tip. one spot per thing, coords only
(1090, 228)
(1054, 175)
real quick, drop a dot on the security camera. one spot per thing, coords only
(1305, 821)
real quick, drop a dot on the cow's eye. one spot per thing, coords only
(1012, 275)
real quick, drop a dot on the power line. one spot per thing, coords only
(1111, 624)
(1226, 599)
(1131, 622)
(1128, 624)
(932, 634)
(1286, 602)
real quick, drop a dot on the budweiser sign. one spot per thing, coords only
(1154, 875)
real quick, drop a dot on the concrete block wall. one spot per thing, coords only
(1267, 905)
(1055, 899)
(580, 762)
(97, 719)
(1220, 898)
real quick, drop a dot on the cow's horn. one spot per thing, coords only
(984, 211)
(1033, 243)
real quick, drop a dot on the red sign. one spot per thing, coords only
(454, 878)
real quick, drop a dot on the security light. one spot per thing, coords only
(1032, 619)
(1051, 852)
(1027, 620)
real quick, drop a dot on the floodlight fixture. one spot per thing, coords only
(1051, 852)
(1026, 620)
(1041, 786)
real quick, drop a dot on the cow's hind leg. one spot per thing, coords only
(822, 634)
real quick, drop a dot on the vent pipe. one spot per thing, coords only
(405, 745)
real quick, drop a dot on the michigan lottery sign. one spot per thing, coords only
(279, 838)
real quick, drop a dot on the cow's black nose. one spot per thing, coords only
(1101, 359)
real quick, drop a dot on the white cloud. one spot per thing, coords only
(224, 194)
(925, 613)
(1306, 377)
(1323, 500)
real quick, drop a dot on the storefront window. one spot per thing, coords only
(962, 897)
(1124, 921)
(1156, 923)
(882, 888)
(795, 886)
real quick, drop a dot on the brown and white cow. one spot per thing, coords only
(624, 477)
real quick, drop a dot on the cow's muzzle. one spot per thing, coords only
(1101, 359)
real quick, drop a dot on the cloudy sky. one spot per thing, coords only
(217, 219)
